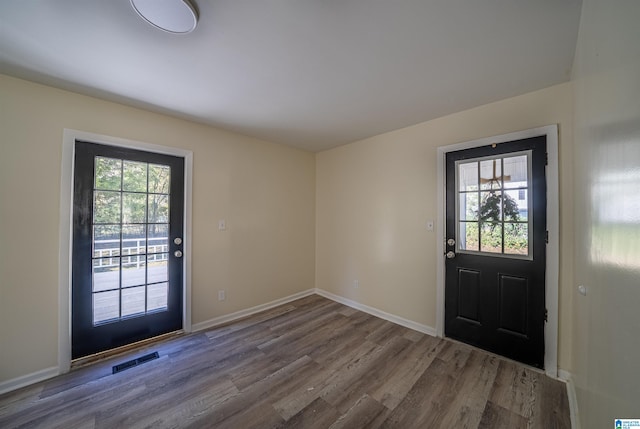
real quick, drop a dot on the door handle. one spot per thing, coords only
(177, 254)
(451, 242)
(450, 254)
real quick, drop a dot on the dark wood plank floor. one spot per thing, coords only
(312, 363)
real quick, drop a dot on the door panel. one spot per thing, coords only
(496, 248)
(127, 239)
(469, 287)
(513, 305)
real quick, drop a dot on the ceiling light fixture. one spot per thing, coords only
(173, 16)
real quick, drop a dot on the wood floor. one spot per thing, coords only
(312, 363)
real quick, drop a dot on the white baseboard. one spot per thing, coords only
(353, 304)
(571, 395)
(25, 380)
(249, 311)
(425, 329)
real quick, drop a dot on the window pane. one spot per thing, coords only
(490, 174)
(134, 208)
(158, 208)
(134, 240)
(495, 219)
(106, 207)
(134, 270)
(158, 268)
(515, 171)
(516, 238)
(491, 206)
(106, 273)
(159, 176)
(133, 301)
(157, 297)
(516, 205)
(106, 240)
(108, 174)
(468, 236)
(106, 306)
(469, 206)
(468, 176)
(491, 237)
(134, 177)
(158, 238)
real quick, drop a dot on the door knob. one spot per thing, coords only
(177, 240)
(177, 254)
(450, 254)
(451, 242)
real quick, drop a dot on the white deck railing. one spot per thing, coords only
(133, 251)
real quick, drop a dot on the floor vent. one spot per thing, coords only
(135, 362)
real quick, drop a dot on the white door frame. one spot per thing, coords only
(66, 230)
(553, 226)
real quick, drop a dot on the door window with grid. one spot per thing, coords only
(130, 238)
(494, 213)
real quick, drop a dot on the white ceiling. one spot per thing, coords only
(313, 74)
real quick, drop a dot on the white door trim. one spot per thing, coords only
(66, 230)
(553, 226)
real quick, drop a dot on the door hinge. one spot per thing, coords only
(546, 237)
(546, 315)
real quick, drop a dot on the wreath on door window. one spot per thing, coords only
(490, 208)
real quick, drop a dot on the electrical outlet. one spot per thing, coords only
(356, 284)
(222, 225)
(221, 295)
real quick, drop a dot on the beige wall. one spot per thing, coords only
(264, 191)
(606, 346)
(374, 198)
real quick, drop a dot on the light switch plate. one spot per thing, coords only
(222, 225)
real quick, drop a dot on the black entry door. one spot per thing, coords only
(127, 246)
(496, 245)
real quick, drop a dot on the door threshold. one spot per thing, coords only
(107, 354)
(499, 356)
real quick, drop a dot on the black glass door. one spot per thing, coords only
(496, 248)
(127, 246)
